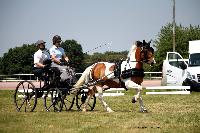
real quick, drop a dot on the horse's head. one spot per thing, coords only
(146, 52)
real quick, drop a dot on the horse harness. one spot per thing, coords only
(133, 72)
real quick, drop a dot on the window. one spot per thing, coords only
(175, 60)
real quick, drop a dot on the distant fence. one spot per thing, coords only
(19, 77)
(153, 75)
(160, 90)
(154, 90)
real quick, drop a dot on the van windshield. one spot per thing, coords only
(194, 59)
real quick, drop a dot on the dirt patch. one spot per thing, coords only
(150, 83)
(13, 85)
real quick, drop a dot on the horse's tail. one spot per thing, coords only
(84, 79)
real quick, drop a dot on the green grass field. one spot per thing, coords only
(167, 113)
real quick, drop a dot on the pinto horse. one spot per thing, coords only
(128, 74)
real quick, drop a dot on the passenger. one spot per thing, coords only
(59, 58)
(41, 59)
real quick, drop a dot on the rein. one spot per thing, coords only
(97, 47)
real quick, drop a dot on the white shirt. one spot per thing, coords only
(58, 52)
(40, 56)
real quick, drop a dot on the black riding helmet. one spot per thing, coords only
(56, 38)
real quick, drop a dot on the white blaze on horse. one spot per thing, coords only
(128, 74)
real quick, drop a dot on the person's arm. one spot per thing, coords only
(39, 65)
(65, 58)
(53, 58)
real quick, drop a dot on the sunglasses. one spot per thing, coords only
(41, 44)
(58, 41)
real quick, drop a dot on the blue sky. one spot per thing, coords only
(90, 22)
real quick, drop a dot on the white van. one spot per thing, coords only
(194, 60)
(175, 72)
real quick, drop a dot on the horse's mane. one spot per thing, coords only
(132, 49)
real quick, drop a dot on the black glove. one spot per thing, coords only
(68, 63)
(46, 67)
(47, 62)
(62, 63)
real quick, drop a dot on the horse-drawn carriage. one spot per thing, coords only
(127, 74)
(56, 94)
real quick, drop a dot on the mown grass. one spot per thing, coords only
(167, 113)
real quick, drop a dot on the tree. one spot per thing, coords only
(75, 53)
(18, 60)
(163, 43)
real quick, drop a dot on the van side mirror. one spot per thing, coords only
(182, 65)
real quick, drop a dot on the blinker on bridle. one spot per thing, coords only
(145, 48)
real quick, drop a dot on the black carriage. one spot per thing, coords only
(56, 94)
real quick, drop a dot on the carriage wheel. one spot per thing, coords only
(68, 100)
(53, 100)
(81, 98)
(25, 96)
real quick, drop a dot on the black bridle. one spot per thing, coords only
(145, 49)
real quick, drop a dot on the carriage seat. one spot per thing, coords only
(42, 74)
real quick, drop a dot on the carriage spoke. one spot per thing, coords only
(81, 104)
(53, 100)
(29, 103)
(56, 106)
(64, 105)
(90, 105)
(22, 104)
(48, 109)
(26, 106)
(68, 101)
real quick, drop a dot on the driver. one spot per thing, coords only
(59, 58)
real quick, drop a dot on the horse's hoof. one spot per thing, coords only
(134, 100)
(144, 111)
(84, 110)
(109, 110)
